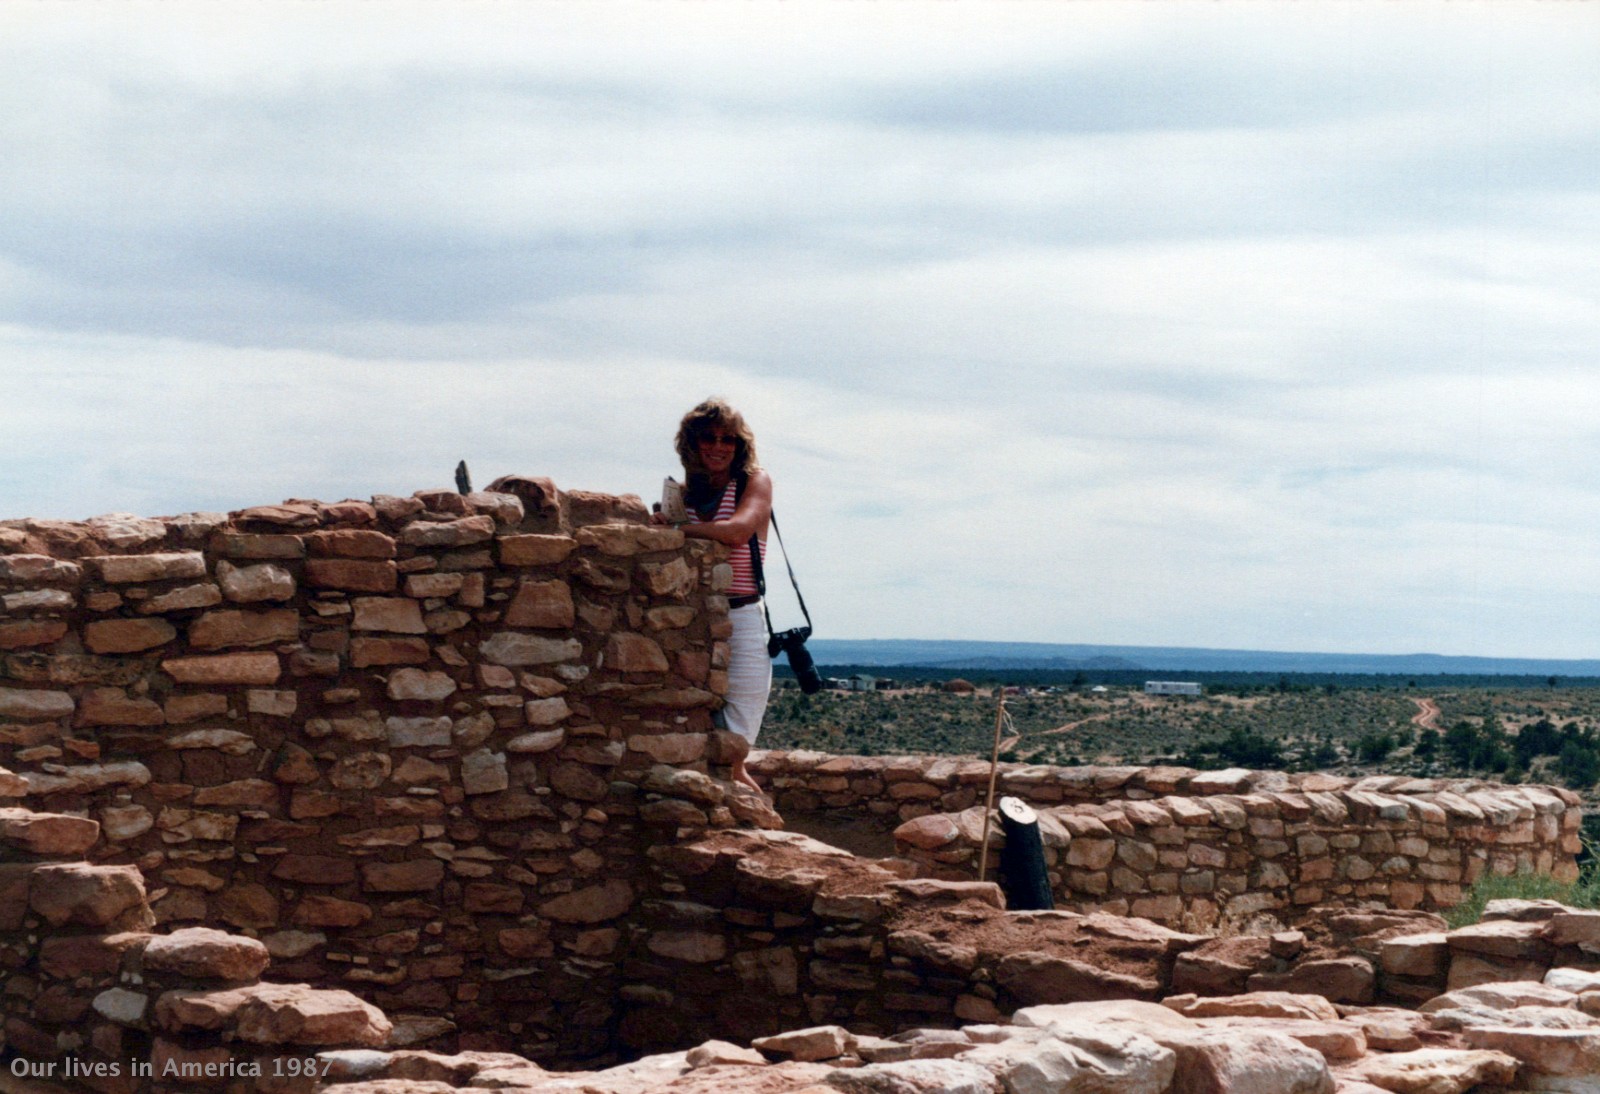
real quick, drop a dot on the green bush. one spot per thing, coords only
(1583, 893)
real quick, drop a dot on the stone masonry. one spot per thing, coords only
(417, 746)
(1195, 848)
(456, 755)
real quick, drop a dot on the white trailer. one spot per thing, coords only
(1171, 687)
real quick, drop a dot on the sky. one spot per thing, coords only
(1238, 325)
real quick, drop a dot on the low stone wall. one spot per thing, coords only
(1193, 848)
(96, 1000)
(755, 932)
(418, 746)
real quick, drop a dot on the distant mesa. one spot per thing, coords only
(958, 654)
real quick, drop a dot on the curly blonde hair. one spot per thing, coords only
(709, 415)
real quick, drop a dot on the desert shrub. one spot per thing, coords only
(1583, 893)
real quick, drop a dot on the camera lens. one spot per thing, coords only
(805, 669)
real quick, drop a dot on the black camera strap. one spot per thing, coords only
(760, 570)
(761, 581)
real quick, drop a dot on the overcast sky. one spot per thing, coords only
(1223, 324)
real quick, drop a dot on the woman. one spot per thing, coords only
(729, 499)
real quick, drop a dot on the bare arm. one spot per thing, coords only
(751, 518)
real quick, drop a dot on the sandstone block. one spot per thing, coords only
(1422, 955)
(693, 947)
(398, 615)
(419, 685)
(366, 651)
(125, 822)
(183, 825)
(132, 569)
(1503, 938)
(201, 953)
(1034, 978)
(1341, 979)
(1446, 1070)
(627, 652)
(114, 707)
(39, 570)
(546, 712)
(490, 898)
(595, 904)
(1120, 1058)
(127, 635)
(913, 1077)
(249, 545)
(228, 628)
(713, 1053)
(247, 905)
(513, 649)
(303, 869)
(361, 771)
(673, 579)
(1576, 981)
(1546, 1053)
(1221, 1061)
(484, 772)
(418, 732)
(815, 1043)
(352, 575)
(316, 910)
(119, 1005)
(535, 550)
(294, 1014)
(227, 668)
(543, 741)
(241, 793)
(351, 543)
(229, 741)
(274, 704)
(541, 604)
(191, 708)
(86, 778)
(623, 540)
(450, 533)
(290, 514)
(670, 748)
(411, 876)
(92, 896)
(1260, 1004)
(425, 586)
(1574, 927)
(46, 834)
(250, 584)
(31, 632)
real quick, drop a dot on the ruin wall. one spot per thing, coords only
(1195, 848)
(455, 753)
(418, 746)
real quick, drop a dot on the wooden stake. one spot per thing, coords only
(988, 805)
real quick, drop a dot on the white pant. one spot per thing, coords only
(749, 672)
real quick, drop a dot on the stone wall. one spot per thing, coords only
(418, 746)
(456, 754)
(94, 1000)
(1193, 848)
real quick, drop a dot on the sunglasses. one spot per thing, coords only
(719, 438)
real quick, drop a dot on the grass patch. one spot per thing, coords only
(1583, 893)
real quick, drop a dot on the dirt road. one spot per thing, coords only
(1427, 715)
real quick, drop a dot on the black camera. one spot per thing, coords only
(793, 643)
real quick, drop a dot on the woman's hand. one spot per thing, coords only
(751, 518)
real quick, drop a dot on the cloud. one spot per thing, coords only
(1212, 324)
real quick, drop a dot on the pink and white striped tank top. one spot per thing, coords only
(744, 575)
